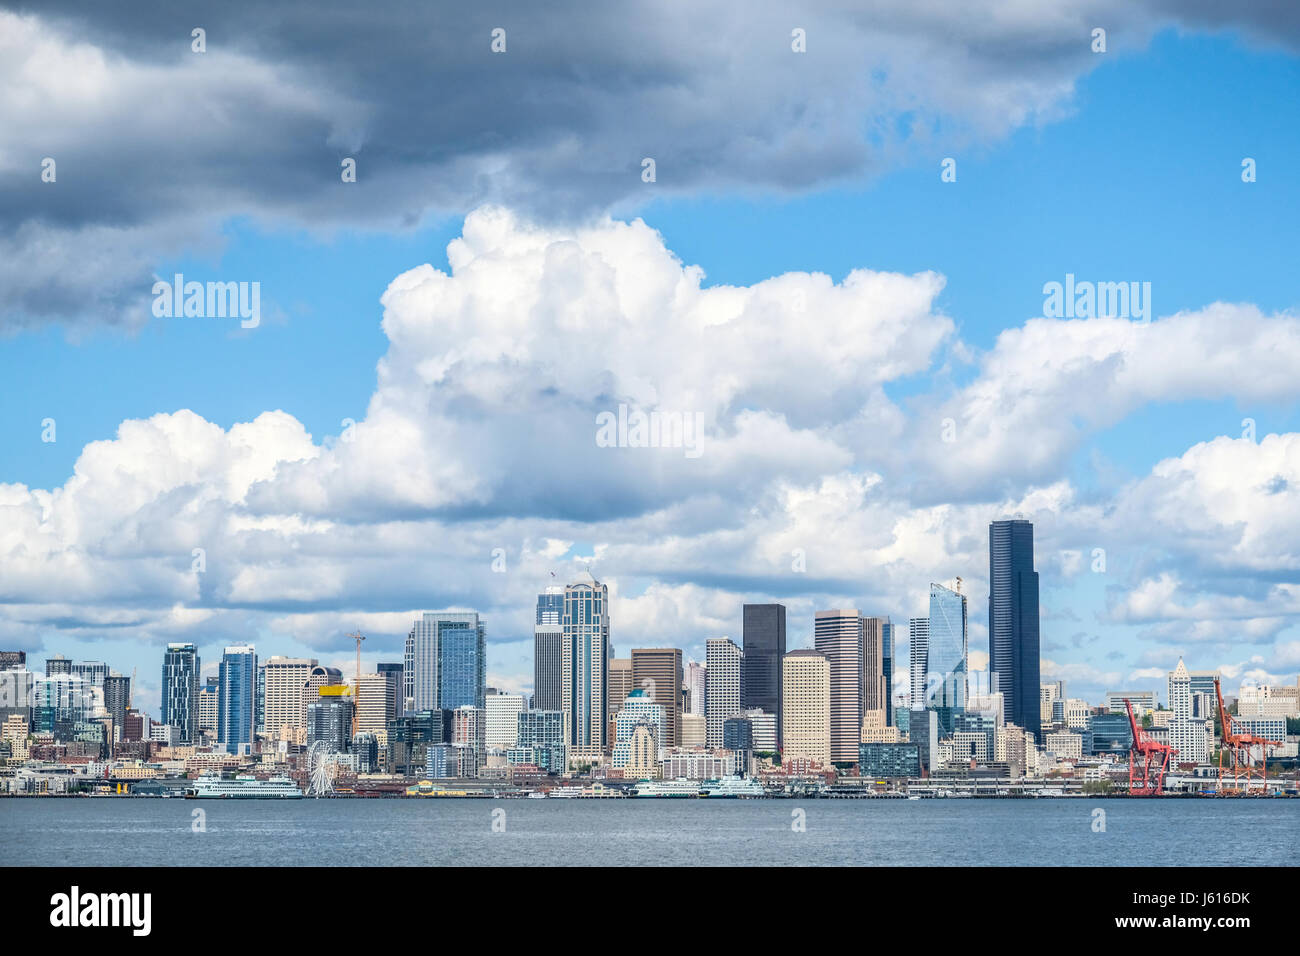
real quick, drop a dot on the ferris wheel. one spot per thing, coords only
(321, 768)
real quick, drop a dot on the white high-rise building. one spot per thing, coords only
(919, 651)
(376, 702)
(503, 719)
(283, 707)
(1188, 734)
(723, 659)
(695, 681)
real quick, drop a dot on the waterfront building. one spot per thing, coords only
(540, 740)
(1111, 734)
(365, 752)
(409, 737)
(738, 737)
(1064, 745)
(889, 761)
(695, 730)
(763, 730)
(469, 730)
(970, 746)
(1013, 621)
(643, 749)
(924, 732)
(724, 664)
(698, 764)
(806, 699)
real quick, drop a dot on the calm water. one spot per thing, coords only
(431, 832)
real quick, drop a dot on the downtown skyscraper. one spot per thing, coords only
(1013, 622)
(585, 655)
(875, 664)
(946, 655)
(837, 636)
(236, 702)
(725, 676)
(446, 661)
(548, 651)
(180, 690)
(763, 644)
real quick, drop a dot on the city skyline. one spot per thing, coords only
(972, 285)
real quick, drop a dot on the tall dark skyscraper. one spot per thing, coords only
(1013, 622)
(763, 639)
(180, 689)
(548, 667)
(887, 649)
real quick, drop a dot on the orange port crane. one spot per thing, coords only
(1151, 751)
(356, 688)
(1242, 747)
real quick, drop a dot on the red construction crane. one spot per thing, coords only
(1150, 750)
(1242, 747)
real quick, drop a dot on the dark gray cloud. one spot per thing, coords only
(157, 145)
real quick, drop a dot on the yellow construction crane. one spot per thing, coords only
(356, 691)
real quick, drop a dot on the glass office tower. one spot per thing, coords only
(1013, 622)
(946, 657)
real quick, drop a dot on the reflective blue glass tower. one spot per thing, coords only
(946, 657)
(1013, 622)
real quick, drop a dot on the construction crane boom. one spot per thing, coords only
(1242, 748)
(1155, 757)
(356, 688)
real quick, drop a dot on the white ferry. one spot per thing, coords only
(245, 787)
(733, 787)
(668, 788)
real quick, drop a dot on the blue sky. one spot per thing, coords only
(1134, 176)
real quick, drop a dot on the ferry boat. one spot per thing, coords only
(244, 787)
(668, 788)
(733, 787)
